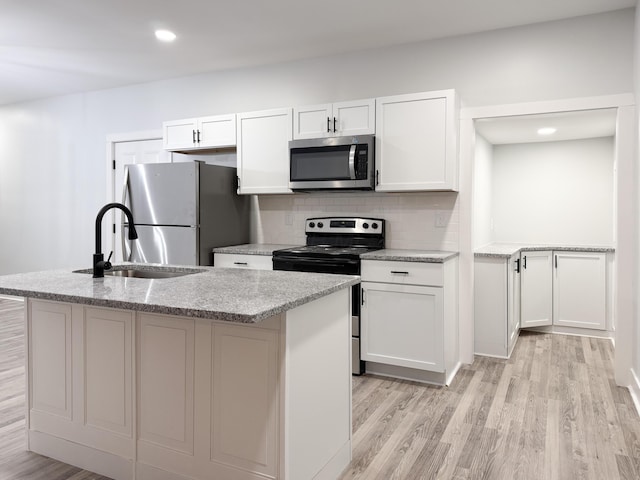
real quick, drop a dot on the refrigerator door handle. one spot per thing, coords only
(126, 251)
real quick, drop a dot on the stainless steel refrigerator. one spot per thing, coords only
(182, 211)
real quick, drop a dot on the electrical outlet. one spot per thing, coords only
(288, 218)
(441, 219)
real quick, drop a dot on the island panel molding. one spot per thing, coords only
(108, 341)
(50, 373)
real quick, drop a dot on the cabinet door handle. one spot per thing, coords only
(240, 263)
(517, 265)
(377, 177)
(198, 136)
(399, 272)
(328, 123)
(524, 262)
(193, 135)
(334, 124)
(362, 297)
(556, 260)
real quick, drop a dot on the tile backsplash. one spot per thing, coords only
(411, 218)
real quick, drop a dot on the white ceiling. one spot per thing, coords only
(54, 47)
(569, 126)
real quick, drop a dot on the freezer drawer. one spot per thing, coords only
(174, 245)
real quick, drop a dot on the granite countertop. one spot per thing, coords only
(252, 248)
(228, 294)
(505, 250)
(424, 256)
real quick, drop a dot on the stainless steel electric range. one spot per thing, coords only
(334, 245)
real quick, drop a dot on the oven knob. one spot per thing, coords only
(365, 225)
(374, 225)
(320, 225)
(311, 224)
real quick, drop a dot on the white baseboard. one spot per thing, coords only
(634, 390)
(148, 472)
(405, 373)
(334, 467)
(81, 456)
(573, 331)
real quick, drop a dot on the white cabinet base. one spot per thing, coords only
(87, 458)
(413, 374)
(578, 332)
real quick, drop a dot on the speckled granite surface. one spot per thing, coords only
(425, 256)
(252, 248)
(505, 250)
(228, 294)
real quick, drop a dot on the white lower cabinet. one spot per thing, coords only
(536, 289)
(564, 288)
(580, 290)
(409, 319)
(235, 260)
(496, 305)
(403, 325)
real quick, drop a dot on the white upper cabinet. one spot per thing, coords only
(263, 151)
(416, 142)
(334, 119)
(199, 133)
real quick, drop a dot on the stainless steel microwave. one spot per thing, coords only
(332, 163)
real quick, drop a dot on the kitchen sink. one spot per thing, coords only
(145, 272)
(134, 272)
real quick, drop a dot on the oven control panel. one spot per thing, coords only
(349, 225)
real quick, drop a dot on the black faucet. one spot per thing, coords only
(99, 265)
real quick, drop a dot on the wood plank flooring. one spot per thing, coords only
(551, 412)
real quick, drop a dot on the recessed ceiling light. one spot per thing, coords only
(165, 35)
(547, 131)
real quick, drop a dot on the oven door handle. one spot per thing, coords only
(312, 262)
(326, 264)
(352, 162)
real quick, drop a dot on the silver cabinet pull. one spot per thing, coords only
(127, 250)
(399, 272)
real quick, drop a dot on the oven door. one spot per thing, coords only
(341, 266)
(328, 163)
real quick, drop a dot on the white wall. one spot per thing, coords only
(482, 192)
(52, 167)
(634, 331)
(554, 192)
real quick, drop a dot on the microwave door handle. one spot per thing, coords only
(352, 162)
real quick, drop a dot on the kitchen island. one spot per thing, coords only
(223, 373)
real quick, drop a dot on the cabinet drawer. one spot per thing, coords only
(406, 273)
(257, 262)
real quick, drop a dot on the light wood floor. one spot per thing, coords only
(550, 412)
